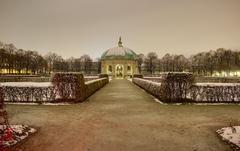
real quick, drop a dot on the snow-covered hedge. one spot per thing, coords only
(68, 86)
(64, 87)
(216, 92)
(152, 87)
(137, 76)
(28, 92)
(199, 92)
(217, 79)
(24, 79)
(1, 95)
(90, 78)
(154, 79)
(94, 85)
(173, 88)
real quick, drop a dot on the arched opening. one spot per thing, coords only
(109, 69)
(119, 71)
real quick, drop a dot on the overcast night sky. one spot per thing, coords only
(77, 27)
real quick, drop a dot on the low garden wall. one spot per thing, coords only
(181, 88)
(63, 87)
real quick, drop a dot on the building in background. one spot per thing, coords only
(119, 62)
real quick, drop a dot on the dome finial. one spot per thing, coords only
(120, 42)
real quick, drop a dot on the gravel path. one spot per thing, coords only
(122, 117)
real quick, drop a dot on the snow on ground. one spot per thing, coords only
(43, 103)
(20, 132)
(129, 79)
(95, 80)
(231, 135)
(26, 84)
(217, 84)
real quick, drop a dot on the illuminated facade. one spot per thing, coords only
(119, 62)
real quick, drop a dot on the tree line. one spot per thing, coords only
(19, 61)
(204, 63)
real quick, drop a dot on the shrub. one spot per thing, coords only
(154, 79)
(103, 76)
(216, 92)
(68, 86)
(137, 76)
(1, 97)
(29, 93)
(175, 86)
(94, 85)
(24, 79)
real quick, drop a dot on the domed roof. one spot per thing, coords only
(119, 52)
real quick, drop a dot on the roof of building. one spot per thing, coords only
(119, 52)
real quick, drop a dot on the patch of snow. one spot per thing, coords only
(217, 84)
(230, 135)
(20, 132)
(32, 103)
(214, 104)
(157, 100)
(129, 79)
(26, 84)
(92, 81)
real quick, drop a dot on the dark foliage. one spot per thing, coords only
(103, 76)
(68, 86)
(29, 94)
(137, 76)
(175, 86)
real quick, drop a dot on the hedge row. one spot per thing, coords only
(200, 93)
(153, 88)
(217, 79)
(71, 86)
(23, 79)
(36, 78)
(174, 87)
(227, 93)
(29, 94)
(94, 85)
(64, 87)
(154, 79)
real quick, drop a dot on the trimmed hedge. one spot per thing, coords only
(103, 76)
(154, 79)
(71, 86)
(64, 87)
(1, 97)
(68, 86)
(211, 93)
(173, 88)
(137, 76)
(176, 86)
(181, 88)
(94, 85)
(217, 79)
(24, 79)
